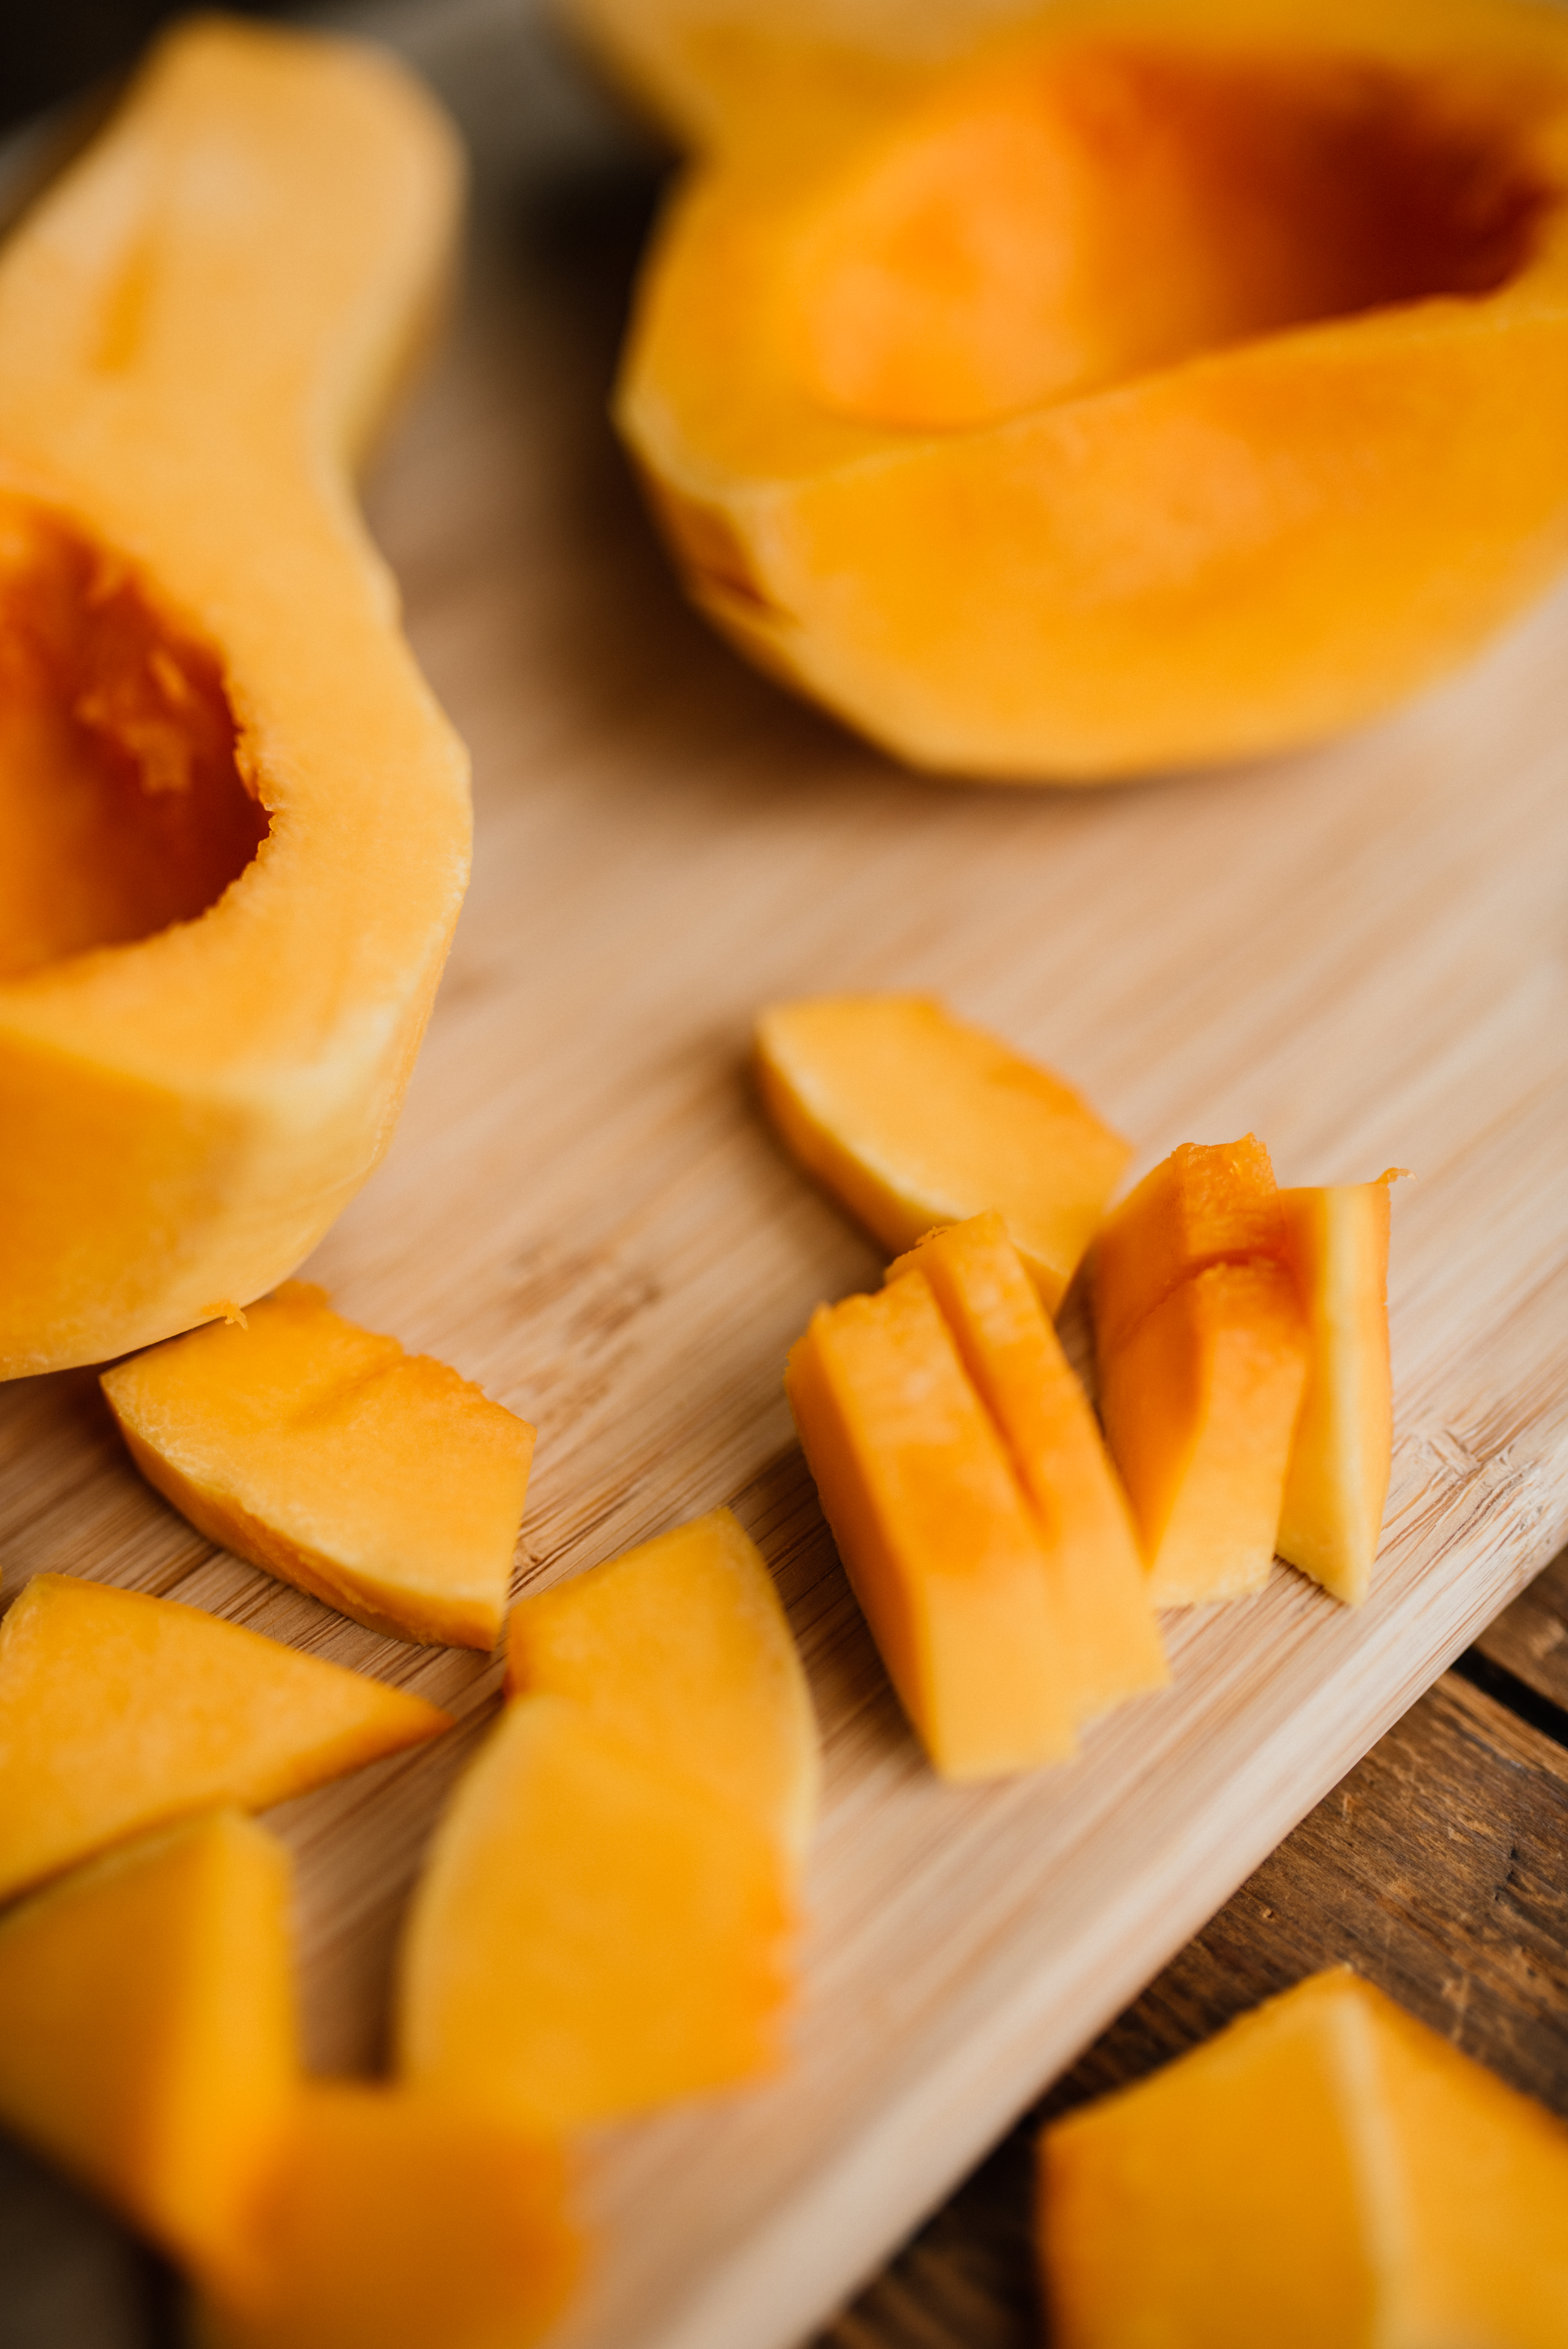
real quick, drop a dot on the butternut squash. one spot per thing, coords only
(1110, 1642)
(914, 1117)
(380, 1481)
(1178, 384)
(233, 825)
(119, 1711)
(1328, 2169)
(390, 2222)
(150, 2041)
(935, 1535)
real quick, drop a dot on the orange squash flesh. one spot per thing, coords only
(944, 1554)
(1200, 1405)
(1337, 1240)
(1178, 385)
(390, 2222)
(912, 1117)
(681, 1647)
(1326, 2170)
(1111, 1644)
(233, 827)
(380, 1481)
(594, 1935)
(1207, 1203)
(150, 2041)
(119, 1711)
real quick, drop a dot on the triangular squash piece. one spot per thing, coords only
(150, 2043)
(119, 1711)
(379, 1481)
(394, 2222)
(681, 1646)
(1111, 1644)
(592, 1935)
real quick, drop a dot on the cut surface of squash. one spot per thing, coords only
(914, 1117)
(681, 1647)
(391, 2222)
(1337, 1239)
(150, 2043)
(1207, 1203)
(933, 1531)
(1111, 1644)
(379, 1481)
(233, 825)
(1327, 2169)
(1176, 385)
(119, 1711)
(594, 1935)
(1200, 1405)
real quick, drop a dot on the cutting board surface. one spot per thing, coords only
(1359, 953)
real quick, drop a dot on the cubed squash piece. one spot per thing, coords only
(1326, 2174)
(150, 2043)
(391, 2222)
(1207, 1203)
(1337, 1244)
(119, 1711)
(935, 1533)
(1200, 1405)
(912, 1117)
(681, 1646)
(593, 1934)
(379, 1481)
(1111, 1644)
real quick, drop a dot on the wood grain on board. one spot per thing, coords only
(1358, 952)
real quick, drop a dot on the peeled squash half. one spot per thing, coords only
(233, 824)
(1177, 383)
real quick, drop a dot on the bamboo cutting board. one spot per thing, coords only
(1360, 953)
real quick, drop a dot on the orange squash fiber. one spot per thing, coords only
(944, 1555)
(1327, 2171)
(119, 1711)
(390, 2222)
(1111, 1644)
(1337, 1241)
(1182, 383)
(1200, 1405)
(914, 1117)
(233, 825)
(380, 1481)
(682, 1646)
(605, 1919)
(148, 2046)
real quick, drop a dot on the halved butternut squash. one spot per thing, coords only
(119, 1711)
(1182, 384)
(379, 1481)
(233, 825)
(150, 2043)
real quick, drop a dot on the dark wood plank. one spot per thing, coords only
(1529, 1638)
(1435, 1868)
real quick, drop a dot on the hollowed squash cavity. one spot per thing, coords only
(1070, 221)
(123, 804)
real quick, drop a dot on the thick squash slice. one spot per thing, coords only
(1185, 384)
(150, 2043)
(390, 2222)
(380, 1481)
(119, 1711)
(1327, 2170)
(942, 1551)
(1111, 1644)
(233, 825)
(1207, 1203)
